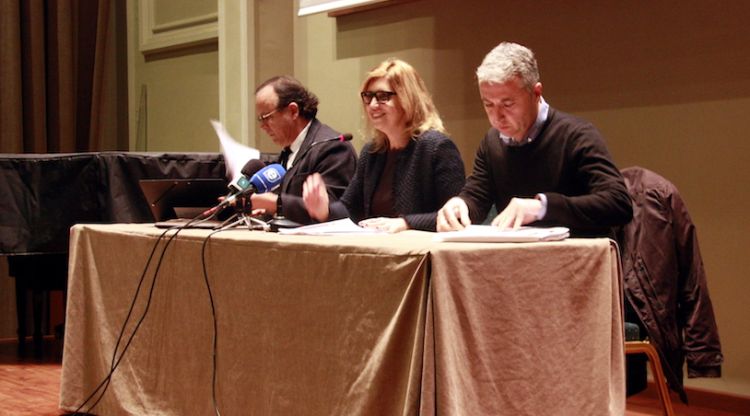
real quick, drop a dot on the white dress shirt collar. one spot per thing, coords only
(296, 144)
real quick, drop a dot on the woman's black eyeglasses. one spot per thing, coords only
(382, 96)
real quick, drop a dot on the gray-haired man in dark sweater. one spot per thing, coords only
(536, 164)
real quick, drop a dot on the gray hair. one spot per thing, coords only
(508, 60)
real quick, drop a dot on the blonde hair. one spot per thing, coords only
(419, 111)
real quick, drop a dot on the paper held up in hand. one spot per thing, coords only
(488, 233)
(236, 154)
(337, 227)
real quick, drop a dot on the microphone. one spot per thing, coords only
(242, 181)
(340, 138)
(263, 180)
(344, 137)
(268, 178)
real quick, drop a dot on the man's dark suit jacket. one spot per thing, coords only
(334, 160)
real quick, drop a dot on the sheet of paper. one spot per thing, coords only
(337, 227)
(488, 233)
(236, 154)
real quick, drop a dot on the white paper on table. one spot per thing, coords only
(488, 233)
(236, 154)
(336, 227)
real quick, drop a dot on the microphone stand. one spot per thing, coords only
(229, 222)
(242, 219)
(252, 220)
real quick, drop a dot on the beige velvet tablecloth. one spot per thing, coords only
(525, 329)
(345, 325)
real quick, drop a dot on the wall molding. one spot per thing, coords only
(177, 34)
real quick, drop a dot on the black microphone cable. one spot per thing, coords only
(215, 341)
(104, 384)
(213, 314)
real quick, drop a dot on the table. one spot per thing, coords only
(376, 324)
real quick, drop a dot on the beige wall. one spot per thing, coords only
(182, 96)
(667, 84)
(174, 90)
(274, 54)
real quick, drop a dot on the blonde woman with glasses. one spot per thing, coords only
(407, 171)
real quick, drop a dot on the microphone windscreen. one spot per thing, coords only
(346, 137)
(252, 166)
(241, 182)
(268, 178)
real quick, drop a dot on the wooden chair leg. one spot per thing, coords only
(642, 347)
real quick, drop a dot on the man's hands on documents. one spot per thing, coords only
(520, 211)
(454, 215)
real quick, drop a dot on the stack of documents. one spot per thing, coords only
(488, 233)
(337, 227)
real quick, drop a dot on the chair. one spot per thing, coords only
(633, 345)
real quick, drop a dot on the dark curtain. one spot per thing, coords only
(55, 70)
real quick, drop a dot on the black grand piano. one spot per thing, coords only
(45, 194)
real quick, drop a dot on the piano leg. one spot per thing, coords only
(21, 315)
(38, 274)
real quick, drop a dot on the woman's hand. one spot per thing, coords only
(315, 197)
(390, 225)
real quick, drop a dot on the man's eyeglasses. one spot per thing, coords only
(265, 117)
(382, 96)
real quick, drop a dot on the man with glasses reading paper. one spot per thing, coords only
(287, 111)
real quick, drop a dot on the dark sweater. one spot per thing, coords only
(428, 172)
(568, 162)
